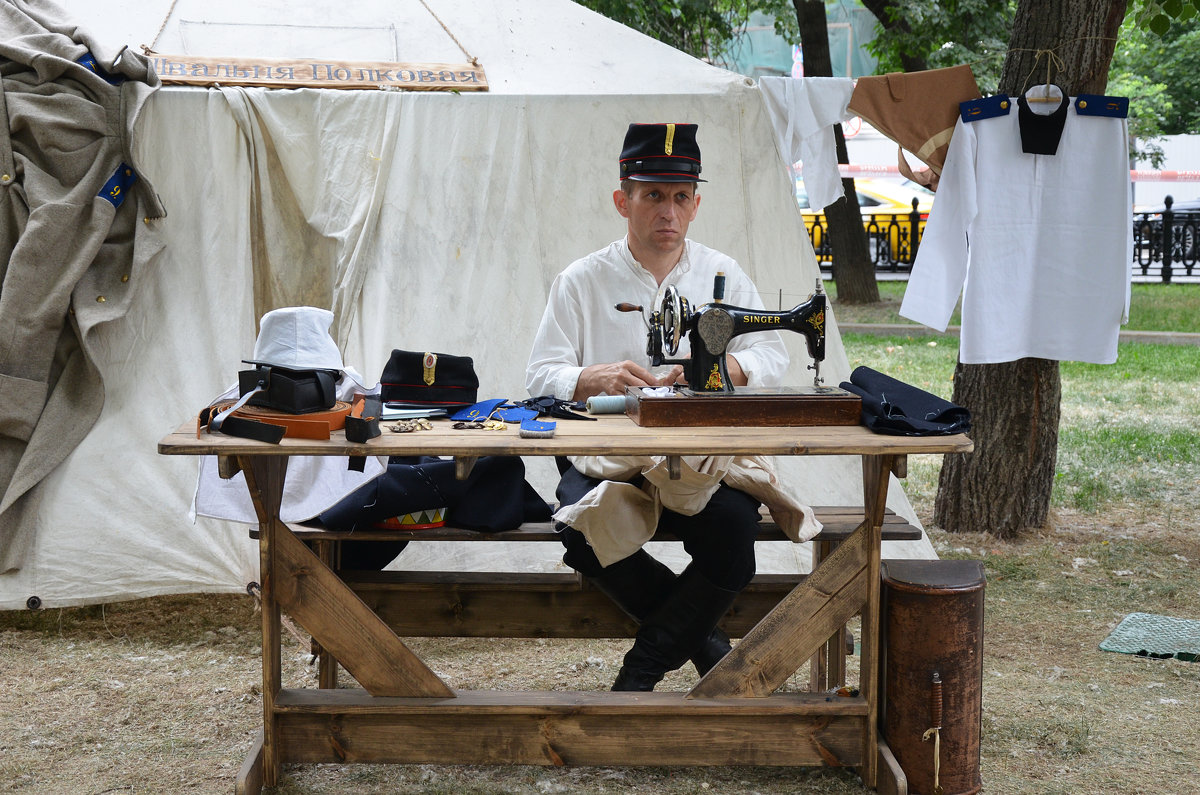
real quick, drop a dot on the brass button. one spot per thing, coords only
(125, 278)
(100, 299)
(1004, 105)
(1083, 103)
(5, 179)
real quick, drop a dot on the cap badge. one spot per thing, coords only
(670, 144)
(428, 364)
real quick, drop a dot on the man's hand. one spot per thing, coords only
(612, 378)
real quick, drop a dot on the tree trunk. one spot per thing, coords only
(1005, 485)
(853, 268)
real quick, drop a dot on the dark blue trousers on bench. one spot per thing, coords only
(719, 539)
(677, 616)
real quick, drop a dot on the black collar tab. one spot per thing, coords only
(1040, 133)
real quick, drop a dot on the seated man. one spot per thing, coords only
(585, 348)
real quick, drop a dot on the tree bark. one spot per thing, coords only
(1005, 485)
(853, 268)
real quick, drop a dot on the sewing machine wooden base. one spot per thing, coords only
(766, 406)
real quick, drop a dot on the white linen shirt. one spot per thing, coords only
(1041, 246)
(581, 327)
(803, 111)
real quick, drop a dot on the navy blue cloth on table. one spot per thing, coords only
(894, 407)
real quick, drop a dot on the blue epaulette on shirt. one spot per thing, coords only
(985, 108)
(1099, 105)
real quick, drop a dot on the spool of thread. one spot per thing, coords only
(606, 404)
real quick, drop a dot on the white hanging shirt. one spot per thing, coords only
(1039, 245)
(803, 112)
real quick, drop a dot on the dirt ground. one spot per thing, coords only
(164, 695)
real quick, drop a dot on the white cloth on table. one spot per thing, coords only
(313, 483)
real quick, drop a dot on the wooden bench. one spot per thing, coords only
(563, 604)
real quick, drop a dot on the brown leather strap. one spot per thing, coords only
(315, 425)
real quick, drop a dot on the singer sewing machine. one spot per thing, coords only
(709, 398)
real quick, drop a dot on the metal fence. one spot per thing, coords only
(892, 239)
(1165, 244)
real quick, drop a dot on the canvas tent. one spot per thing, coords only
(428, 221)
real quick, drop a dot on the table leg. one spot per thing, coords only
(250, 777)
(828, 666)
(327, 664)
(796, 628)
(891, 778)
(877, 472)
(264, 479)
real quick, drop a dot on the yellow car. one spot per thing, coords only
(886, 208)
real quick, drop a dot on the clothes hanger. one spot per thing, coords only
(1046, 95)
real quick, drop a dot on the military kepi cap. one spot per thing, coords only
(661, 153)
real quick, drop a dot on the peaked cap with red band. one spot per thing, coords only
(661, 153)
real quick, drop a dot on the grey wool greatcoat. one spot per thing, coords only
(70, 205)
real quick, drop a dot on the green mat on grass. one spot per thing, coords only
(1148, 635)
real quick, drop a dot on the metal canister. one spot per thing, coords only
(932, 671)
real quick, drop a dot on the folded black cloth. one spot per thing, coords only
(550, 406)
(894, 407)
(494, 497)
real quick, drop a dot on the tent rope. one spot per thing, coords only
(161, 28)
(470, 58)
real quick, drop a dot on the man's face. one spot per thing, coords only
(659, 214)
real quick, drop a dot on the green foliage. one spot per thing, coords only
(1162, 72)
(701, 28)
(1159, 16)
(955, 32)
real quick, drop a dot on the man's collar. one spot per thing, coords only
(683, 264)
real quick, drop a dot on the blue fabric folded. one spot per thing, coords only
(493, 409)
(894, 407)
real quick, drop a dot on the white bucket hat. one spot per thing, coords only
(297, 337)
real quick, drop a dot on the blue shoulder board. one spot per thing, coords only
(986, 108)
(1098, 105)
(88, 61)
(117, 188)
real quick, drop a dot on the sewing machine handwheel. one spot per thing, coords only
(674, 313)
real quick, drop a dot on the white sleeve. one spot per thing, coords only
(555, 360)
(940, 269)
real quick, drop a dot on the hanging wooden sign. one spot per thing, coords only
(194, 70)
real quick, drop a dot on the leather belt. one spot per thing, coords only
(314, 425)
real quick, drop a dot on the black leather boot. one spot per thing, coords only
(674, 631)
(639, 584)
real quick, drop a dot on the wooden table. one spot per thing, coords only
(405, 713)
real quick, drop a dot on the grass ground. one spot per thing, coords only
(1153, 307)
(163, 695)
